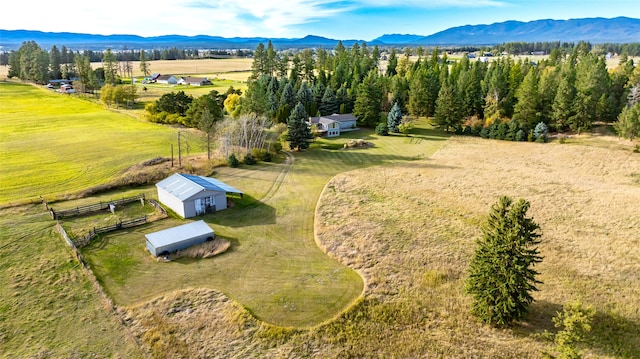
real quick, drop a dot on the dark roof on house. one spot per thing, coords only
(184, 186)
(195, 79)
(164, 77)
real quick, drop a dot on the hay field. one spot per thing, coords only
(192, 67)
(411, 230)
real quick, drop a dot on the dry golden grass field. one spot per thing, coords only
(205, 67)
(409, 229)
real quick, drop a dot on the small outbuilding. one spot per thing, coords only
(190, 195)
(180, 237)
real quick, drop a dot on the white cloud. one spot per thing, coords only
(432, 3)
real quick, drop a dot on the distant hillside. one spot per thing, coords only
(12, 39)
(594, 30)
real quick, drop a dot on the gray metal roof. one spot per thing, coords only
(179, 233)
(184, 186)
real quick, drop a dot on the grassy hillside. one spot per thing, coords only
(53, 144)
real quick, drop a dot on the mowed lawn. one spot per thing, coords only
(274, 268)
(54, 144)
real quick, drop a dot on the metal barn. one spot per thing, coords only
(180, 237)
(190, 195)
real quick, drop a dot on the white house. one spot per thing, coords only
(334, 125)
(167, 80)
(190, 195)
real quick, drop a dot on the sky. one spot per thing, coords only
(343, 20)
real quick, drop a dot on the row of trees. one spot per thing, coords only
(32, 63)
(568, 91)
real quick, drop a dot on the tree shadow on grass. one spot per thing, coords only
(610, 335)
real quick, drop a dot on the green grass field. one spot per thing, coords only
(54, 144)
(274, 267)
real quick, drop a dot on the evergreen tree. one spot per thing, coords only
(540, 132)
(329, 103)
(562, 108)
(394, 118)
(368, 105)
(447, 114)
(110, 66)
(527, 109)
(258, 67)
(298, 130)
(305, 96)
(423, 92)
(392, 63)
(288, 96)
(145, 68)
(548, 88)
(54, 62)
(575, 321)
(270, 60)
(628, 125)
(591, 82)
(500, 276)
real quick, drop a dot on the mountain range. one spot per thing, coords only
(594, 30)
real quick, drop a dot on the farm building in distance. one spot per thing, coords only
(190, 195)
(180, 237)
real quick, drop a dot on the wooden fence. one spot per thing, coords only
(96, 285)
(91, 208)
(83, 241)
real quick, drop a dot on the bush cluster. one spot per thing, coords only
(507, 131)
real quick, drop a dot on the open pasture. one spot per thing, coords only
(411, 229)
(274, 267)
(54, 144)
(408, 227)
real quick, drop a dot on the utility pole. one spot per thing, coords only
(179, 152)
(172, 155)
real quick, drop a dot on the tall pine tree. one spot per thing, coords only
(298, 130)
(447, 116)
(394, 118)
(501, 277)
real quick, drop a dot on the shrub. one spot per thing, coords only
(382, 129)
(575, 321)
(249, 159)
(232, 161)
(540, 132)
(267, 157)
(636, 149)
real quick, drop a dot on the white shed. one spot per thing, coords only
(190, 195)
(180, 237)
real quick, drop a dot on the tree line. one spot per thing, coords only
(567, 91)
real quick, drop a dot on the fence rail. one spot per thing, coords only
(91, 208)
(84, 240)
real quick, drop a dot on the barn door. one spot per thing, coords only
(199, 206)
